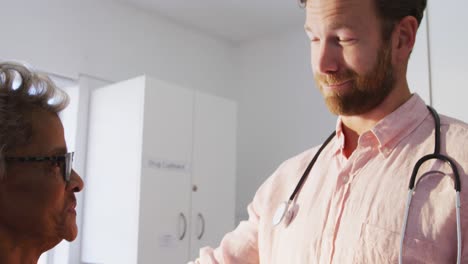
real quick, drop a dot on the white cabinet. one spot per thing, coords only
(213, 204)
(160, 173)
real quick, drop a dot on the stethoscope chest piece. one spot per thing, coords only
(280, 213)
(286, 214)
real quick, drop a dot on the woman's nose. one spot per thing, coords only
(76, 183)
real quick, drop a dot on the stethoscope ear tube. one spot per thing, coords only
(405, 222)
(459, 239)
(435, 155)
(456, 177)
(437, 129)
(457, 185)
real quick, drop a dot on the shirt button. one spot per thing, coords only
(345, 179)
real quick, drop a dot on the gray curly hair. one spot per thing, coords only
(22, 90)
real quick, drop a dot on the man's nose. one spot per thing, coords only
(328, 58)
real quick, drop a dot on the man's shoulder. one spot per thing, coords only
(454, 137)
(455, 129)
(287, 174)
(299, 160)
(446, 120)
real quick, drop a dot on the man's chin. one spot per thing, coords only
(334, 104)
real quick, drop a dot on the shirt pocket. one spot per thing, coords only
(378, 245)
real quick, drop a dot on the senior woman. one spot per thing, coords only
(37, 183)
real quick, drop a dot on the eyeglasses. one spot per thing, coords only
(64, 160)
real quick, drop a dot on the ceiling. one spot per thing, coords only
(232, 20)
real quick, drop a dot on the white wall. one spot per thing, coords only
(281, 113)
(114, 42)
(449, 57)
(99, 41)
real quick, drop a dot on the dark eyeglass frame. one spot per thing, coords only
(66, 158)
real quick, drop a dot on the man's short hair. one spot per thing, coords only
(392, 11)
(23, 91)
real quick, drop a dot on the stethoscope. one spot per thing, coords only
(284, 213)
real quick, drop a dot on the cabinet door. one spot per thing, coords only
(165, 184)
(113, 168)
(213, 179)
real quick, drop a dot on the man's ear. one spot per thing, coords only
(404, 37)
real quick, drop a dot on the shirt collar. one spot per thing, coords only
(389, 131)
(340, 139)
(399, 124)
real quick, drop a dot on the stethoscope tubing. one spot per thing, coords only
(309, 167)
(436, 155)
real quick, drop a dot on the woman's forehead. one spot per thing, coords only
(47, 134)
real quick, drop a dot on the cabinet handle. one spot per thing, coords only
(200, 216)
(182, 216)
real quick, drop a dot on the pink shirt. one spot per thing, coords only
(351, 210)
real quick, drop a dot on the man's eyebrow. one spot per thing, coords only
(333, 26)
(340, 25)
